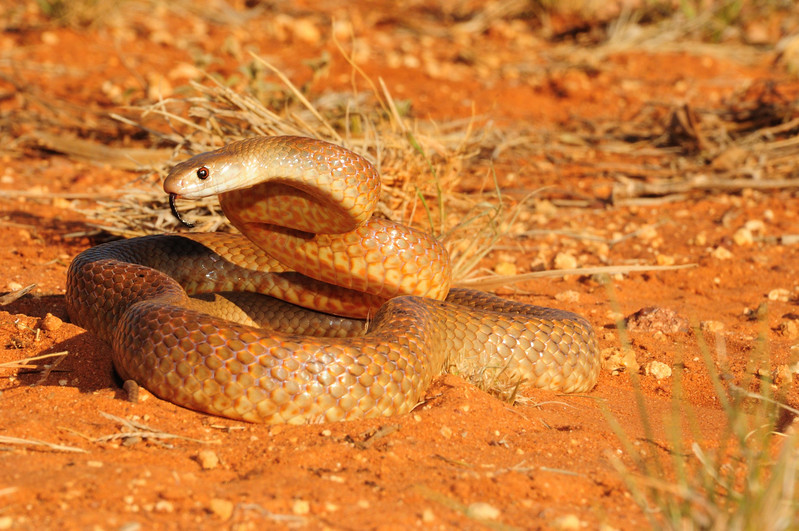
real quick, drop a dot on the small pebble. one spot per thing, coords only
(779, 294)
(711, 326)
(305, 30)
(544, 206)
(208, 459)
(301, 507)
(721, 253)
(648, 233)
(568, 296)
(783, 375)
(113, 91)
(164, 506)
(567, 522)
(158, 87)
(50, 323)
(505, 269)
(700, 239)
(222, 508)
(758, 33)
(658, 369)
(482, 511)
(665, 260)
(185, 71)
(60, 202)
(617, 360)
(789, 329)
(657, 319)
(755, 225)
(565, 261)
(743, 237)
(50, 38)
(131, 440)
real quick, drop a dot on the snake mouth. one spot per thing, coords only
(175, 212)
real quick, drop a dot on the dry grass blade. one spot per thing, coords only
(628, 188)
(35, 194)
(8, 298)
(80, 149)
(491, 282)
(46, 369)
(4, 439)
(26, 362)
(290, 520)
(133, 429)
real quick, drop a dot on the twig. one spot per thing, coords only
(4, 439)
(384, 431)
(488, 282)
(138, 429)
(8, 298)
(629, 188)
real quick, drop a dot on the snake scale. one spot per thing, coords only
(192, 318)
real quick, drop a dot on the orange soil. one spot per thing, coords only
(540, 464)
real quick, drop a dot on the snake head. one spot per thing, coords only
(201, 176)
(205, 175)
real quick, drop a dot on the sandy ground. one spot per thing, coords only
(463, 458)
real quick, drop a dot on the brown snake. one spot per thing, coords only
(185, 317)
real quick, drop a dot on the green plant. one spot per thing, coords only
(77, 12)
(748, 481)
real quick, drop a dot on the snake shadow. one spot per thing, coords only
(87, 366)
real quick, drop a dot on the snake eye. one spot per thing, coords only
(203, 173)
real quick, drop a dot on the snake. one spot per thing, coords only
(315, 311)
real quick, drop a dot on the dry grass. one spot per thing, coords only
(420, 162)
(36, 443)
(746, 478)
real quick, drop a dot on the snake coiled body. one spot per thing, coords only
(191, 317)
